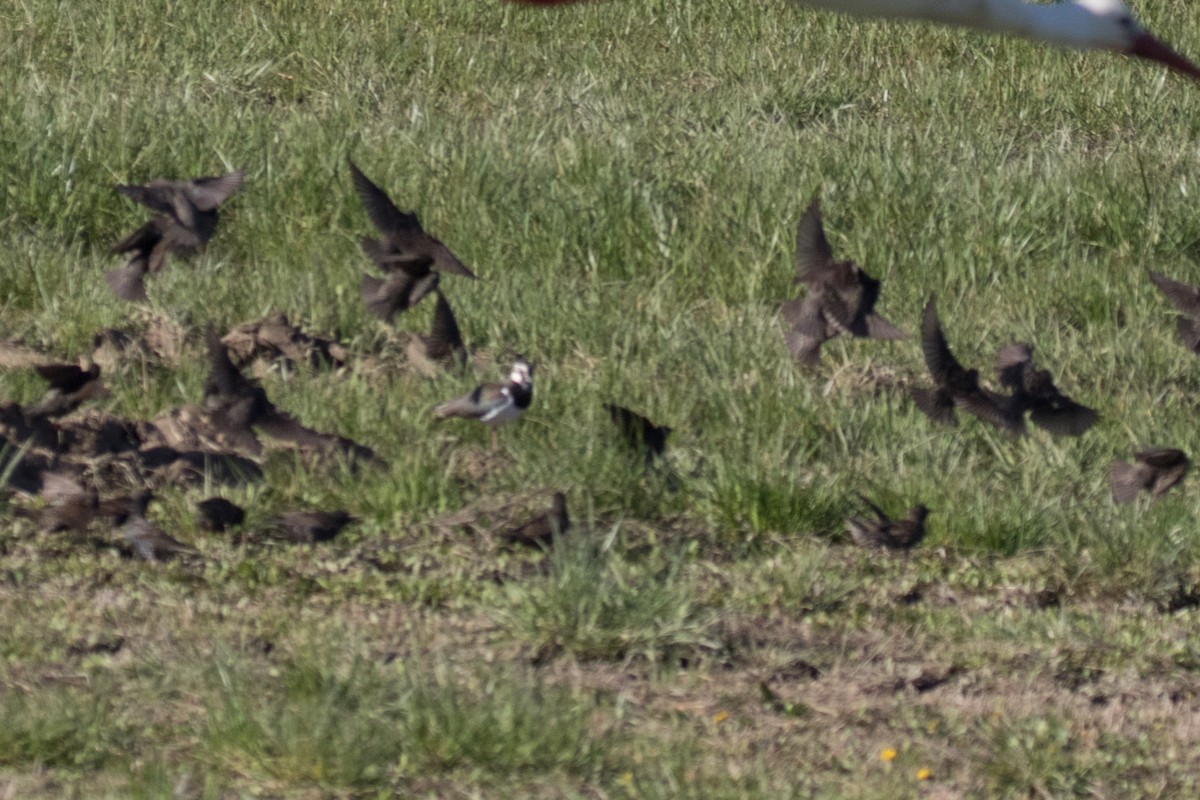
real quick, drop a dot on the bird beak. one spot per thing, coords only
(1146, 46)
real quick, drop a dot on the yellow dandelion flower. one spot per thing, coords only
(923, 774)
(720, 717)
(626, 779)
(888, 754)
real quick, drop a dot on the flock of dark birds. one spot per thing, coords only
(46, 449)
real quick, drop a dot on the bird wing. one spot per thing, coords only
(208, 193)
(384, 214)
(813, 253)
(1184, 297)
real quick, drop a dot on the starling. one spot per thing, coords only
(218, 514)
(1157, 470)
(903, 534)
(148, 248)
(187, 213)
(148, 540)
(405, 246)
(954, 386)
(638, 432)
(542, 530)
(70, 387)
(1033, 390)
(308, 527)
(494, 404)
(444, 344)
(841, 295)
(399, 291)
(1186, 300)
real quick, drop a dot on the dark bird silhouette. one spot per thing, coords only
(238, 407)
(308, 527)
(216, 514)
(405, 247)
(70, 387)
(903, 534)
(954, 386)
(494, 404)
(1033, 390)
(542, 530)
(1186, 299)
(147, 248)
(398, 291)
(149, 541)
(642, 435)
(69, 506)
(444, 344)
(187, 209)
(186, 220)
(841, 295)
(1157, 470)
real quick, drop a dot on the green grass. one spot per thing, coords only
(626, 179)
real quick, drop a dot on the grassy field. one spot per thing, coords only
(626, 179)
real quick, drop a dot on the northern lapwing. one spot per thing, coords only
(1158, 469)
(884, 532)
(494, 404)
(841, 295)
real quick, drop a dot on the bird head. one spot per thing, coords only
(1109, 25)
(522, 372)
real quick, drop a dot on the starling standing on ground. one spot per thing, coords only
(217, 514)
(308, 527)
(1157, 470)
(148, 540)
(542, 530)
(903, 534)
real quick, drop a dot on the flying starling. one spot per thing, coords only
(444, 344)
(405, 248)
(70, 387)
(642, 435)
(841, 295)
(1157, 470)
(1186, 300)
(954, 386)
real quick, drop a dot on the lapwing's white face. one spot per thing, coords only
(522, 372)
